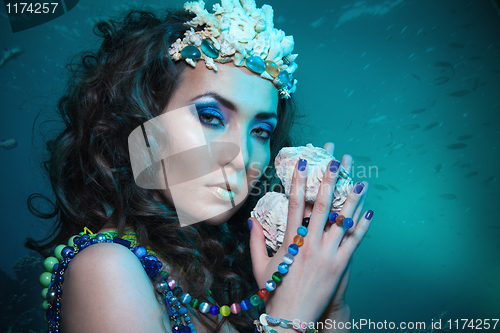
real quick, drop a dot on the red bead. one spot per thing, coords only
(263, 293)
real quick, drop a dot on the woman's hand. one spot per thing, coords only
(309, 287)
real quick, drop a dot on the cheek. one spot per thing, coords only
(258, 164)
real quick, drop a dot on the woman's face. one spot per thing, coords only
(221, 143)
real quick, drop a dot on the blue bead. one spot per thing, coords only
(93, 241)
(288, 259)
(56, 267)
(270, 285)
(151, 257)
(348, 222)
(58, 278)
(186, 298)
(190, 52)
(302, 231)
(283, 268)
(122, 241)
(293, 249)
(176, 329)
(64, 265)
(187, 318)
(140, 252)
(57, 304)
(283, 76)
(109, 241)
(256, 64)
(332, 216)
(76, 240)
(182, 311)
(99, 237)
(177, 290)
(65, 253)
(85, 237)
(214, 310)
(209, 49)
(245, 305)
(58, 291)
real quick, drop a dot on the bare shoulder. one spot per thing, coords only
(106, 289)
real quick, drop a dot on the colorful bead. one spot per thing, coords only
(49, 263)
(277, 277)
(298, 240)
(45, 279)
(246, 304)
(256, 64)
(339, 219)
(283, 268)
(171, 283)
(182, 310)
(57, 251)
(214, 310)
(255, 300)
(305, 222)
(263, 293)
(209, 49)
(185, 298)
(195, 303)
(288, 259)
(140, 252)
(161, 286)
(271, 68)
(225, 310)
(101, 237)
(204, 307)
(302, 231)
(70, 241)
(332, 216)
(293, 249)
(190, 52)
(235, 308)
(45, 305)
(44, 293)
(284, 77)
(348, 222)
(270, 285)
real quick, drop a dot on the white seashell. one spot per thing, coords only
(291, 69)
(266, 75)
(271, 211)
(191, 62)
(215, 42)
(289, 59)
(209, 62)
(287, 44)
(317, 161)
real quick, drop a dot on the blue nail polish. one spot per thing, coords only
(369, 214)
(358, 188)
(249, 224)
(334, 166)
(302, 164)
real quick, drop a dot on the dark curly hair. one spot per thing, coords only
(126, 82)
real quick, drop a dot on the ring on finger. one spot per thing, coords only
(340, 220)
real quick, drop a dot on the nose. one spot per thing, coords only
(234, 151)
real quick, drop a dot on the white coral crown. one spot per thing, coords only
(238, 31)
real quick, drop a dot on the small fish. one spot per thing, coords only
(393, 188)
(10, 54)
(417, 111)
(380, 187)
(317, 23)
(398, 146)
(456, 46)
(475, 58)
(431, 126)
(440, 81)
(438, 167)
(8, 144)
(448, 196)
(465, 137)
(411, 127)
(459, 93)
(416, 76)
(348, 124)
(470, 174)
(489, 179)
(362, 159)
(456, 146)
(404, 29)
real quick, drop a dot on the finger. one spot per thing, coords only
(352, 242)
(348, 209)
(329, 147)
(323, 201)
(258, 250)
(296, 201)
(357, 213)
(347, 163)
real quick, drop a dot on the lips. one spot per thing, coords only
(227, 186)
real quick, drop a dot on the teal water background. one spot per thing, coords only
(408, 88)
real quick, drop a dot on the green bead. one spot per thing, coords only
(49, 263)
(255, 300)
(256, 64)
(70, 242)
(209, 49)
(164, 274)
(208, 292)
(195, 303)
(45, 306)
(277, 277)
(57, 251)
(190, 52)
(44, 292)
(45, 279)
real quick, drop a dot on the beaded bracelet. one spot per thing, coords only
(55, 267)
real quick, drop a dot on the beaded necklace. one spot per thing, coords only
(176, 301)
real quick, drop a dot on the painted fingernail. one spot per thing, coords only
(369, 214)
(334, 166)
(358, 188)
(302, 164)
(249, 224)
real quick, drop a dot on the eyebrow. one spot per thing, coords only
(230, 105)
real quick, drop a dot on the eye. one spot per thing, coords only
(210, 116)
(263, 133)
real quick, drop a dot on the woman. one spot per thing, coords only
(127, 83)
